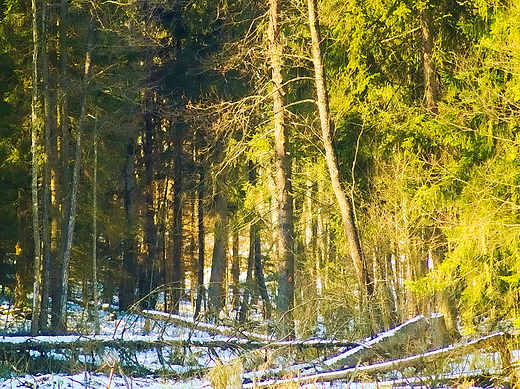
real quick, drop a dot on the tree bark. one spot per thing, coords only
(283, 178)
(345, 204)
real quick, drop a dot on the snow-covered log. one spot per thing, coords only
(389, 341)
(494, 340)
(206, 327)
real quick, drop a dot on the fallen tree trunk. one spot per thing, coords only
(378, 347)
(493, 340)
(389, 341)
(206, 327)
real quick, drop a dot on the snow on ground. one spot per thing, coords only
(133, 327)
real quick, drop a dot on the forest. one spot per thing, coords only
(330, 167)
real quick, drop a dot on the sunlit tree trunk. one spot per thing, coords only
(345, 203)
(35, 322)
(283, 178)
(430, 78)
(95, 290)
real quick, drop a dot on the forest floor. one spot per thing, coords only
(187, 367)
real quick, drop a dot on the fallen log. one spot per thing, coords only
(137, 342)
(378, 347)
(493, 340)
(205, 327)
(375, 348)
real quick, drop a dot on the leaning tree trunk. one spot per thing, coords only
(283, 179)
(65, 265)
(345, 203)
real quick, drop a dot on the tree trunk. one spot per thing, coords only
(60, 218)
(146, 276)
(65, 266)
(49, 158)
(128, 281)
(235, 269)
(37, 297)
(283, 179)
(95, 290)
(345, 204)
(217, 289)
(175, 273)
(431, 94)
(248, 287)
(201, 247)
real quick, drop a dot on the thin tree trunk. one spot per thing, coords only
(128, 279)
(256, 248)
(345, 204)
(248, 287)
(201, 247)
(259, 274)
(146, 278)
(283, 179)
(95, 290)
(65, 266)
(235, 269)
(48, 156)
(176, 276)
(35, 322)
(217, 290)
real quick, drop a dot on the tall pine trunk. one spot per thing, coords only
(344, 202)
(283, 178)
(34, 175)
(46, 183)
